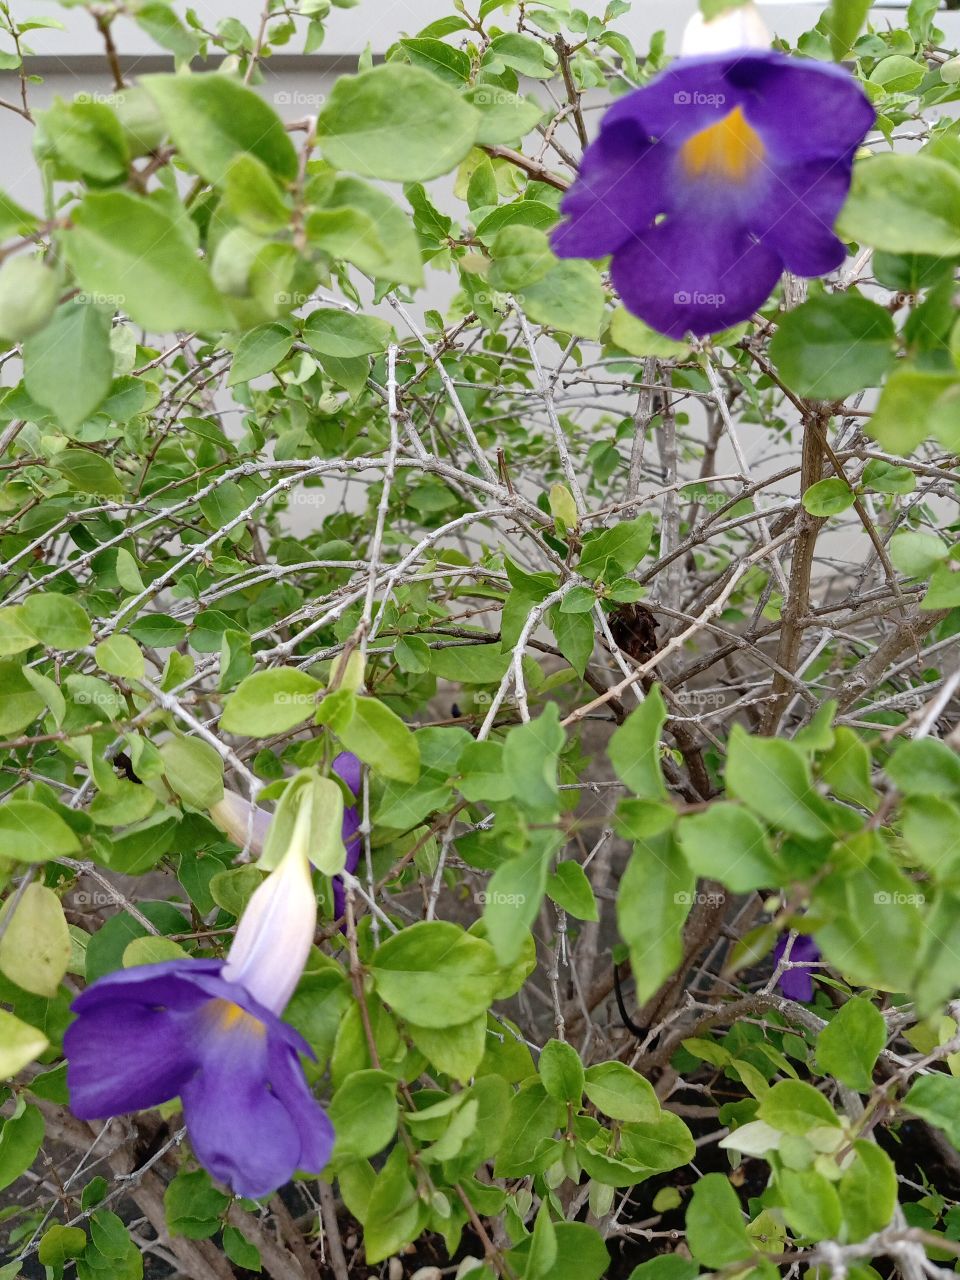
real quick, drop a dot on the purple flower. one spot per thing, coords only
(347, 767)
(709, 182)
(209, 1031)
(797, 984)
(232, 815)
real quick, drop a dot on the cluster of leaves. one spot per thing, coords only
(263, 503)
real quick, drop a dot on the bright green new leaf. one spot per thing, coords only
(435, 974)
(35, 947)
(213, 119)
(396, 122)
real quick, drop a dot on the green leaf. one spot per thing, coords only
(620, 548)
(654, 899)
(936, 1099)
(129, 254)
(87, 137)
(396, 254)
(772, 778)
(260, 351)
(20, 1141)
(194, 770)
(574, 635)
(88, 472)
(240, 1250)
(533, 1118)
(505, 117)
(571, 890)
(634, 748)
(193, 1206)
(35, 947)
(848, 1046)
(396, 122)
(562, 1072)
(435, 975)
(19, 1044)
(621, 1093)
(253, 197)
(15, 635)
(716, 1232)
(378, 737)
(833, 345)
(232, 889)
(445, 61)
(68, 365)
(846, 768)
(28, 295)
(668, 1266)
(269, 702)
(31, 832)
(152, 950)
(904, 204)
(570, 297)
(925, 767)
(828, 497)
(120, 655)
(521, 255)
(792, 1106)
(59, 1243)
(343, 334)
(868, 1191)
(917, 554)
(914, 404)
(56, 620)
(395, 1212)
(726, 843)
(638, 339)
(20, 704)
(842, 21)
(456, 1051)
(530, 756)
(364, 1113)
(811, 1205)
(213, 119)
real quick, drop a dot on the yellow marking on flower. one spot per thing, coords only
(230, 1017)
(730, 149)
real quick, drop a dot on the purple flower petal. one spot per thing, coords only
(746, 160)
(797, 984)
(796, 213)
(804, 110)
(688, 275)
(618, 193)
(240, 1131)
(123, 1056)
(313, 1125)
(347, 767)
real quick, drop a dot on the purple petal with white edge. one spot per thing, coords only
(275, 934)
(619, 192)
(239, 1130)
(796, 213)
(347, 767)
(803, 110)
(699, 272)
(126, 1056)
(314, 1126)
